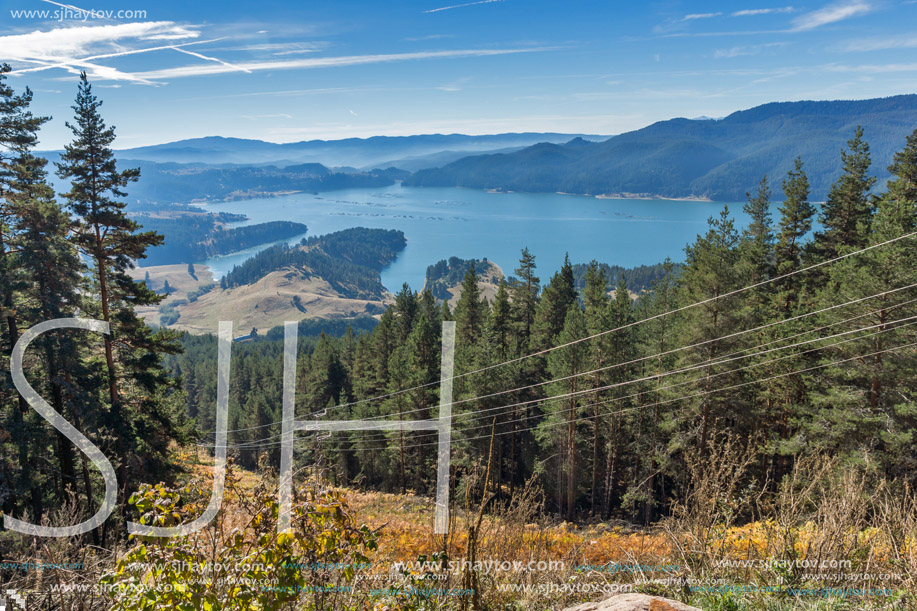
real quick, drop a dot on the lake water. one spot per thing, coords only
(443, 222)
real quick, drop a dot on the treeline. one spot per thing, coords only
(349, 260)
(336, 327)
(767, 339)
(169, 183)
(446, 274)
(67, 258)
(373, 248)
(637, 279)
(190, 238)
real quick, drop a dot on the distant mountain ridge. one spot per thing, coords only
(167, 183)
(716, 159)
(358, 152)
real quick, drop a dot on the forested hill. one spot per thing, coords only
(446, 274)
(719, 159)
(171, 183)
(349, 260)
(167, 183)
(190, 237)
(358, 152)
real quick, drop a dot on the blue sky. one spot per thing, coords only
(288, 71)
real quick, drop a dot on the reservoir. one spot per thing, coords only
(443, 222)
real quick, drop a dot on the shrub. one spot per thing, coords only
(249, 566)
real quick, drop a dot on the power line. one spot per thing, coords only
(635, 323)
(699, 394)
(700, 365)
(672, 351)
(624, 364)
(495, 411)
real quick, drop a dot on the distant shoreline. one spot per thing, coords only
(648, 196)
(640, 196)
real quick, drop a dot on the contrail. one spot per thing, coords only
(69, 6)
(68, 62)
(212, 59)
(446, 8)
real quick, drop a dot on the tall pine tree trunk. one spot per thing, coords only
(106, 316)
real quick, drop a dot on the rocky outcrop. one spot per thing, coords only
(634, 602)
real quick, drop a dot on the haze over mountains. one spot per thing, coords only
(378, 151)
(716, 159)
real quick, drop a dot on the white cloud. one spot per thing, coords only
(746, 50)
(878, 44)
(761, 11)
(66, 47)
(694, 16)
(276, 48)
(830, 14)
(71, 41)
(455, 85)
(79, 48)
(429, 37)
(872, 68)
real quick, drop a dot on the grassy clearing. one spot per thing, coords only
(828, 543)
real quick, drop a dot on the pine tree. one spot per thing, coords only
(710, 274)
(423, 359)
(104, 232)
(428, 307)
(556, 299)
(524, 294)
(654, 342)
(469, 310)
(796, 215)
(52, 270)
(406, 308)
(786, 396)
(501, 322)
(620, 353)
(325, 383)
(560, 427)
(398, 403)
(142, 419)
(866, 405)
(18, 135)
(846, 214)
(758, 237)
(598, 321)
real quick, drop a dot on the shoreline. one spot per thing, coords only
(651, 197)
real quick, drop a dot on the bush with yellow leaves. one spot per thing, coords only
(240, 561)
